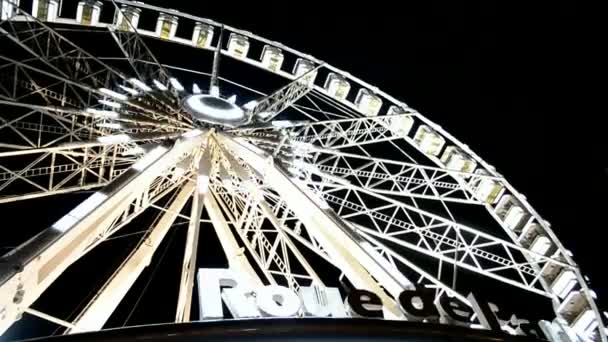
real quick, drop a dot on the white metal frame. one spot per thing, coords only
(263, 181)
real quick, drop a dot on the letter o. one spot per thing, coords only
(277, 301)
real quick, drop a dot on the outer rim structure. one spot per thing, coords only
(498, 202)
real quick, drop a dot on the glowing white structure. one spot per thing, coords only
(363, 183)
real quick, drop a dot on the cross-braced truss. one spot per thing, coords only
(331, 182)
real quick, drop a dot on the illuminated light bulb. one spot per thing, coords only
(134, 151)
(196, 89)
(159, 85)
(264, 115)
(282, 123)
(114, 139)
(232, 99)
(111, 125)
(175, 84)
(102, 113)
(128, 90)
(250, 105)
(113, 94)
(214, 91)
(110, 104)
(139, 84)
(202, 183)
(149, 158)
(83, 209)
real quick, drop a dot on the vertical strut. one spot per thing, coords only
(99, 309)
(184, 300)
(234, 254)
(31, 268)
(214, 87)
(359, 266)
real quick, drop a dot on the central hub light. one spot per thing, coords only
(214, 110)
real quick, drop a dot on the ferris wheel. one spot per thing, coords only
(308, 176)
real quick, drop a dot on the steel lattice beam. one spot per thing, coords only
(45, 257)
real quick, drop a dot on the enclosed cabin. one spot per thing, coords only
(560, 279)
(88, 12)
(45, 10)
(454, 158)
(485, 189)
(202, 35)
(304, 66)
(400, 121)
(238, 46)
(579, 315)
(166, 26)
(337, 86)
(272, 58)
(428, 140)
(8, 9)
(368, 103)
(127, 18)
(534, 237)
(564, 283)
(511, 213)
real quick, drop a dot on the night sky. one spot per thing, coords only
(516, 85)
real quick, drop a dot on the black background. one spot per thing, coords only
(520, 85)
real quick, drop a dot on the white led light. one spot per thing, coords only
(111, 125)
(192, 133)
(202, 183)
(282, 123)
(159, 85)
(139, 84)
(215, 91)
(88, 205)
(250, 105)
(196, 89)
(65, 223)
(83, 209)
(264, 115)
(102, 113)
(149, 158)
(113, 94)
(129, 90)
(114, 139)
(133, 151)
(175, 84)
(111, 104)
(232, 99)
(593, 294)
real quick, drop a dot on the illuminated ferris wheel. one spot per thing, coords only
(308, 176)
